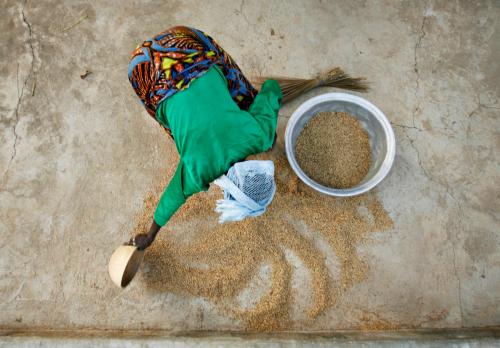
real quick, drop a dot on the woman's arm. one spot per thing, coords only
(169, 203)
(265, 108)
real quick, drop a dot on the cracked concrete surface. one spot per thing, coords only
(20, 94)
(78, 155)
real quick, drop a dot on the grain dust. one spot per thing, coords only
(333, 149)
(218, 262)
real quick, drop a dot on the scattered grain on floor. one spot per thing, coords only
(220, 261)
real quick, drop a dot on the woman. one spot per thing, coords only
(216, 119)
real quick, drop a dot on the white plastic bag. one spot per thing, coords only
(249, 188)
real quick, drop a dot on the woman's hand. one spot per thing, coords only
(142, 240)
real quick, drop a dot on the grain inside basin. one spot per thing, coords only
(378, 127)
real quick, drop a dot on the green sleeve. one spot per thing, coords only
(172, 198)
(265, 109)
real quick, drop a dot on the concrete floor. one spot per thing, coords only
(232, 342)
(77, 156)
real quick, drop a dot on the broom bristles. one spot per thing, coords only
(336, 77)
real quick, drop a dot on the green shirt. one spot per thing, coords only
(211, 133)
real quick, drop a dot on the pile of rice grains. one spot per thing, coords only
(333, 149)
(195, 256)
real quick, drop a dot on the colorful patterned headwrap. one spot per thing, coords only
(170, 61)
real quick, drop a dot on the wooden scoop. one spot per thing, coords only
(124, 264)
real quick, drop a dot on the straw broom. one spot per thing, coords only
(336, 77)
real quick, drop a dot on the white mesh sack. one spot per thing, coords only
(249, 188)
